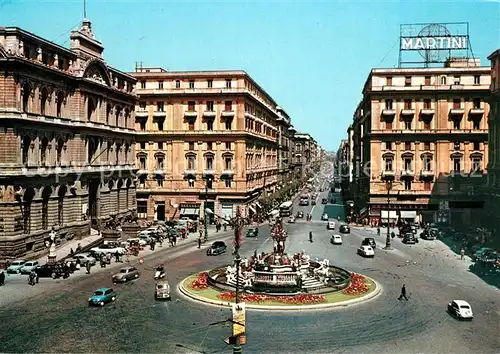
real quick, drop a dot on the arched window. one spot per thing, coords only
(28, 200)
(60, 204)
(91, 149)
(90, 108)
(59, 149)
(108, 113)
(26, 98)
(43, 151)
(47, 191)
(26, 150)
(443, 80)
(59, 103)
(126, 153)
(43, 101)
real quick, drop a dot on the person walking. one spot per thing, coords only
(378, 230)
(403, 293)
(199, 241)
(2, 278)
(462, 253)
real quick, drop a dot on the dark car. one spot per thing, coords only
(300, 215)
(313, 202)
(324, 201)
(48, 271)
(369, 241)
(252, 232)
(410, 238)
(345, 229)
(217, 247)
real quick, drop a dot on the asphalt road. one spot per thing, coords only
(57, 318)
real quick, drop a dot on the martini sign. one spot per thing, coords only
(434, 43)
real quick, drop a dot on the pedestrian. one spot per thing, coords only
(199, 242)
(378, 230)
(462, 253)
(117, 256)
(71, 252)
(403, 293)
(87, 267)
(2, 278)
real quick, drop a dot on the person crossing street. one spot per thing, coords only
(403, 293)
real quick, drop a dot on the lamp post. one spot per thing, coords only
(238, 222)
(205, 210)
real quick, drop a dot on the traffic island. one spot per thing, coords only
(360, 289)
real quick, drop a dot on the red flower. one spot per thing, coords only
(291, 300)
(357, 286)
(200, 283)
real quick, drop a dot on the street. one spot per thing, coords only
(56, 318)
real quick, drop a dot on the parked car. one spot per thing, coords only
(300, 215)
(15, 266)
(345, 229)
(479, 252)
(253, 232)
(126, 274)
(84, 258)
(313, 202)
(366, 251)
(102, 296)
(48, 271)
(330, 225)
(460, 309)
(28, 267)
(336, 240)
(428, 234)
(291, 220)
(369, 241)
(324, 201)
(218, 247)
(409, 238)
(324, 217)
(108, 249)
(162, 290)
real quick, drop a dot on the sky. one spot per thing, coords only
(311, 57)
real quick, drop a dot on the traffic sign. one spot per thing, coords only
(238, 319)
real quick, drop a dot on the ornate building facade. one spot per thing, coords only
(66, 139)
(413, 132)
(286, 132)
(205, 139)
(307, 155)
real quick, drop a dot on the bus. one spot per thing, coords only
(286, 209)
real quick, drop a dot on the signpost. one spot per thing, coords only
(239, 318)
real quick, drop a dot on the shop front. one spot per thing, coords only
(191, 211)
(409, 216)
(390, 216)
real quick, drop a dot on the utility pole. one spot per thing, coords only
(205, 211)
(388, 186)
(238, 224)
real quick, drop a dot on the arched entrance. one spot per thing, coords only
(94, 203)
(46, 193)
(29, 194)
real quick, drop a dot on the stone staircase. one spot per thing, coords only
(311, 282)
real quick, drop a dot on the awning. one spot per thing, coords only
(406, 214)
(392, 215)
(258, 205)
(190, 211)
(252, 209)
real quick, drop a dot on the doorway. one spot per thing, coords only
(160, 211)
(210, 217)
(94, 203)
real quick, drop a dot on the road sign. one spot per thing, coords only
(238, 319)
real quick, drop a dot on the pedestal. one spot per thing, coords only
(130, 230)
(111, 235)
(51, 259)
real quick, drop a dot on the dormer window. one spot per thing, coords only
(229, 83)
(191, 84)
(177, 83)
(143, 84)
(160, 85)
(407, 80)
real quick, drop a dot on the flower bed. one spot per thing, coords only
(357, 286)
(200, 283)
(290, 300)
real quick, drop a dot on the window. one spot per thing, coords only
(43, 101)
(227, 183)
(427, 186)
(209, 182)
(476, 164)
(457, 103)
(407, 185)
(210, 106)
(209, 145)
(407, 124)
(427, 124)
(228, 145)
(228, 163)
(210, 83)
(477, 79)
(407, 104)
(43, 151)
(142, 106)
(407, 80)
(427, 81)
(427, 163)
(59, 149)
(229, 123)
(457, 166)
(191, 163)
(143, 84)
(407, 146)
(443, 80)
(210, 124)
(388, 82)
(191, 106)
(388, 104)
(191, 146)
(228, 106)
(160, 106)
(159, 181)
(191, 183)
(228, 83)
(159, 163)
(388, 125)
(388, 164)
(143, 145)
(59, 103)
(476, 103)
(477, 145)
(407, 164)
(456, 123)
(427, 146)
(456, 146)
(388, 145)
(456, 80)
(142, 163)
(210, 163)
(191, 125)
(26, 149)
(160, 145)
(160, 85)
(476, 124)
(191, 84)
(427, 104)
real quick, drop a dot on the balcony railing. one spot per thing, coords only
(388, 112)
(407, 112)
(457, 111)
(191, 114)
(388, 173)
(407, 173)
(209, 114)
(427, 112)
(228, 113)
(159, 114)
(426, 173)
(142, 113)
(476, 111)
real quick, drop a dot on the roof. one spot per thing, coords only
(496, 53)
(103, 289)
(461, 303)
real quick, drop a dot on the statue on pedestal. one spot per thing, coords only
(52, 248)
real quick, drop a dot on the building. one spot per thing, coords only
(205, 139)
(303, 154)
(414, 130)
(340, 166)
(66, 139)
(286, 132)
(492, 219)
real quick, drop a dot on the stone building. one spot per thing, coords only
(286, 132)
(413, 132)
(306, 155)
(204, 139)
(66, 139)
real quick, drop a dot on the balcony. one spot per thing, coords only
(208, 173)
(407, 112)
(388, 174)
(388, 112)
(190, 173)
(457, 111)
(407, 173)
(190, 114)
(209, 114)
(427, 112)
(159, 114)
(228, 113)
(426, 174)
(142, 113)
(228, 173)
(476, 111)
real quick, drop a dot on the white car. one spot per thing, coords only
(366, 251)
(106, 250)
(291, 220)
(460, 309)
(28, 267)
(330, 225)
(324, 216)
(16, 266)
(84, 258)
(336, 240)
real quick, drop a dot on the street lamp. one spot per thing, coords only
(207, 180)
(237, 222)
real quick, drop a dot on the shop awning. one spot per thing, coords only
(408, 214)
(252, 209)
(190, 211)
(393, 215)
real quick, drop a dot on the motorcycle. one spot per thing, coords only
(159, 275)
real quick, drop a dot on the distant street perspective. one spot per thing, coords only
(249, 177)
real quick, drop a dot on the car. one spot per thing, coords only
(102, 296)
(366, 251)
(15, 266)
(345, 229)
(125, 274)
(336, 240)
(409, 238)
(324, 201)
(218, 247)
(253, 232)
(330, 225)
(324, 217)
(480, 252)
(291, 220)
(369, 241)
(162, 290)
(84, 258)
(460, 309)
(300, 215)
(105, 249)
(47, 271)
(313, 202)
(28, 267)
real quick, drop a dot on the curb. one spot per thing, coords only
(346, 303)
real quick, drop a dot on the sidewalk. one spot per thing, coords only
(64, 250)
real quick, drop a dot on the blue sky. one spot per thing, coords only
(311, 57)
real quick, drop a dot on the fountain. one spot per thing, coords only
(278, 273)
